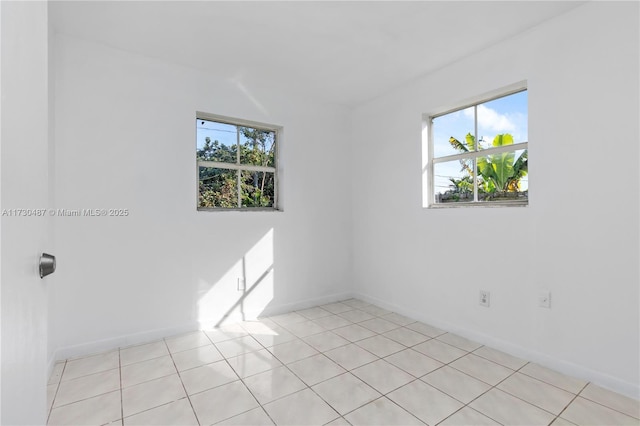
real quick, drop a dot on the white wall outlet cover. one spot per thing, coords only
(485, 298)
(544, 299)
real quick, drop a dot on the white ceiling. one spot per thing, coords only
(343, 52)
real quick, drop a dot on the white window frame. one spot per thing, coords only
(429, 161)
(239, 166)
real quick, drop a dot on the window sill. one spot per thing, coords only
(248, 209)
(480, 204)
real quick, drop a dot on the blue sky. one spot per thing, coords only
(504, 115)
(223, 133)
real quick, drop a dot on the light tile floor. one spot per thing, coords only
(342, 363)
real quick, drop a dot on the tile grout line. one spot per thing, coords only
(491, 387)
(439, 390)
(422, 381)
(470, 408)
(89, 397)
(53, 401)
(350, 371)
(66, 361)
(571, 402)
(121, 397)
(145, 360)
(307, 387)
(298, 377)
(545, 382)
(397, 405)
(319, 352)
(297, 338)
(240, 378)
(517, 397)
(606, 406)
(496, 388)
(292, 372)
(575, 395)
(477, 378)
(148, 380)
(158, 378)
(327, 331)
(81, 377)
(182, 382)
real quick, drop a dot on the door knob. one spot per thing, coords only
(47, 264)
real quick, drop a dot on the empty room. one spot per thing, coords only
(320, 213)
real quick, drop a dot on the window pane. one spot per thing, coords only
(216, 141)
(503, 116)
(453, 133)
(217, 188)
(503, 177)
(257, 147)
(453, 181)
(258, 189)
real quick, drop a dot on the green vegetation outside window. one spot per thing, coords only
(479, 154)
(236, 163)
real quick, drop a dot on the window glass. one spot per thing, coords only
(489, 142)
(236, 165)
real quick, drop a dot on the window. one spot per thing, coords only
(478, 154)
(237, 164)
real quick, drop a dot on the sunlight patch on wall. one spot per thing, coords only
(244, 291)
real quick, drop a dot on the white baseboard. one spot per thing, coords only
(97, 346)
(615, 384)
(304, 304)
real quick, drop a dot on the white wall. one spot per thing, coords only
(24, 166)
(125, 138)
(582, 73)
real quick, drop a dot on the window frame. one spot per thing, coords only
(429, 199)
(237, 166)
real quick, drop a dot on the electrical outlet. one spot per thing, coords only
(544, 299)
(485, 298)
(241, 284)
